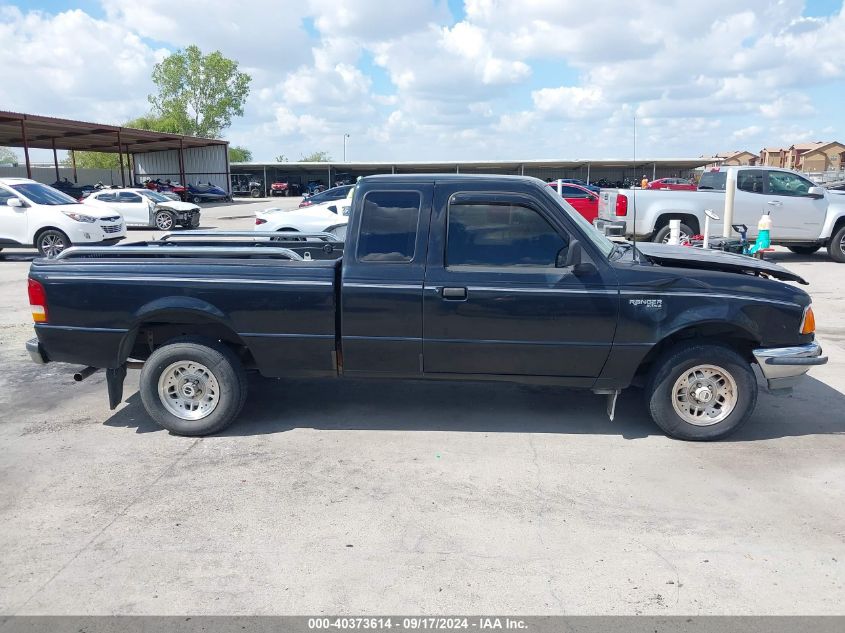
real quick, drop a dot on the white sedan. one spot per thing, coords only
(146, 208)
(329, 217)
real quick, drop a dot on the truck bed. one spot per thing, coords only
(279, 305)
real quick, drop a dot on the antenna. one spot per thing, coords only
(633, 194)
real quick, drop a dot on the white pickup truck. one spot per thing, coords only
(805, 217)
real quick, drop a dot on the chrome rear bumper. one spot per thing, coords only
(783, 366)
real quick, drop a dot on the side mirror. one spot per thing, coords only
(584, 268)
(569, 256)
(14, 202)
(816, 192)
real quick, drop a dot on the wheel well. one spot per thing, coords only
(690, 220)
(152, 334)
(724, 334)
(41, 230)
(836, 226)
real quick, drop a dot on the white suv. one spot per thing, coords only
(32, 213)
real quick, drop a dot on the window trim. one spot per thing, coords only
(506, 199)
(363, 200)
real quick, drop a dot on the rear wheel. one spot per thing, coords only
(701, 392)
(193, 387)
(51, 242)
(836, 248)
(662, 236)
(803, 250)
(196, 199)
(254, 193)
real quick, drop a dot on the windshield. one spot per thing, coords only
(42, 194)
(155, 196)
(713, 180)
(601, 242)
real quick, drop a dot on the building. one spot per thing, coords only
(816, 157)
(734, 158)
(773, 156)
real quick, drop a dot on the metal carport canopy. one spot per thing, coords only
(42, 132)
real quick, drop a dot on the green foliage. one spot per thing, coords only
(8, 156)
(199, 93)
(281, 158)
(239, 154)
(94, 160)
(316, 157)
(154, 123)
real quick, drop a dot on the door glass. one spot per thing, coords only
(388, 230)
(573, 192)
(750, 180)
(785, 184)
(500, 235)
(107, 197)
(128, 196)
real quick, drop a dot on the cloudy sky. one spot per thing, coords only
(471, 79)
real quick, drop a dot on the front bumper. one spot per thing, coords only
(36, 351)
(783, 366)
(610, 228)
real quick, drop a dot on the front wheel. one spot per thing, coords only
(163, 221)
(51, 242)
(836, 248)
(255, 193)
(701, 392)
(193, 387)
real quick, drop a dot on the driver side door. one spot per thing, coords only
(501, 296)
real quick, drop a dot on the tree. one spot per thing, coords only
(238, 154)
(94, 160)
(199, 93)
(154, 123)
(316, 157)
(281, 158)
(8, 156)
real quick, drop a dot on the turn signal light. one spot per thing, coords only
(259, 221)
(808, 325)
(37, 301)
(621, 204)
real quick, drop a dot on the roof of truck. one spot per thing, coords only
(447, 177)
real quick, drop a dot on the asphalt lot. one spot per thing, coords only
(353, 497)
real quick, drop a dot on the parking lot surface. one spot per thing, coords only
(362, 497)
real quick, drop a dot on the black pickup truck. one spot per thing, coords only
(440, 277)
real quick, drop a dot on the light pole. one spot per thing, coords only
(345, 136)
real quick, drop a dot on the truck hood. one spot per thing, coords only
(688, 257)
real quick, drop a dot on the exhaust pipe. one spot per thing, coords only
(83, 374)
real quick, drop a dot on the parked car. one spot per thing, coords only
(584, 201)
(246, 185)
(673, 184)
(314, 186)
(803, 218)
(579, 182)
(335, 193)
(284, 189)
(441, 277)
(74, 190)
(146, 208)
(35, 214)
(168, 186)
(328, 217)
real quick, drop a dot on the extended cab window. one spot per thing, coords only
(500, 235)
(782, 183)
(750, 180)
(389, 226)
(713, 180)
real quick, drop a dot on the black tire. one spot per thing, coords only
(662, 235)
(670, 368)
(803, 250)
(194, 222)
(163, 220)
(836, 248)
(51, 242)
(223, 366)
(196, 199)
(255, 193)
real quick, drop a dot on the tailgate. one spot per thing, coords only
(607, 204)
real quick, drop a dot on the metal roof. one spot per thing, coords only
(42, 132)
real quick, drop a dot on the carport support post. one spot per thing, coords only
(120, 160)
(265, 181)
(588, 173)
(73, 164)
(654, 171)
(26, 149)
(730, 194)
(55, 158)
(182, 164)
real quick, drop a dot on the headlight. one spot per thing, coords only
(80, 217)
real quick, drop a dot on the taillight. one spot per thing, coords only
(260, 221)
(621, 204)
(808, 324)
(37, 301)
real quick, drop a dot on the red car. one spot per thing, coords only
(586, 202)
(674, 184)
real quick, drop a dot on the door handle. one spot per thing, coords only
(775, 203)
(454, 294)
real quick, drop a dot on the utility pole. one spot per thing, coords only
(345, 136)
